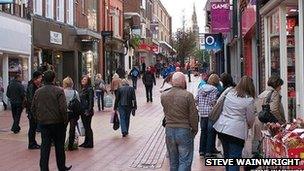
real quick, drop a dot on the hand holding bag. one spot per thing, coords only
(218, 107)
(265, 115)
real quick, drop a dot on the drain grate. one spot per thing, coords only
(152, 155)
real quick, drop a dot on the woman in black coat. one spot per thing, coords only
(87, 102)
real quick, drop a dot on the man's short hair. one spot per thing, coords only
(49, 76)
(178, 79)
(36, 74)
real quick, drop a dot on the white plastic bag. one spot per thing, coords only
(80, 128)
(108, 101)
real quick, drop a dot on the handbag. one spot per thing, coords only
(115, 121)
(108, 101)
(80, 128)
(265, 115)
(218, 107)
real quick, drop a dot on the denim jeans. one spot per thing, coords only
(231, 150)
(208, 135)
(100, 96)
(180, 146)
(124, 115)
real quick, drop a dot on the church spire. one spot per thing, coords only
(194, 17)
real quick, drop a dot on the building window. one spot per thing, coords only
(38, 7)
(69, 12)
(49, 8)
(83, 6)
(60, 10)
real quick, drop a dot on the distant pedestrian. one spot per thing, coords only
(181, 123)
(236, 119)
(143, 67)
(126, 104)
(149, 81)
(100, 89)
(206, 99)
(16, 94)
(87, 102)
(115, 84)
(134, 73)
(33, 86)
(70, 94)
(189, 72)
(52, 119)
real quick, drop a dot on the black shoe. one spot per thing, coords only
(68, 168)
(147, 100)
(124, 134)
(151, 100)
(88, 146)
(34, 147)
(16, 131)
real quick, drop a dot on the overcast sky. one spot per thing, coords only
(176, 8)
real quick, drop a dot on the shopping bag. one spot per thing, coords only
(80, 128)
(112, 118)
(115, 121)
(108, 101)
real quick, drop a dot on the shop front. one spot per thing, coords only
(14, 54)
(284, 52)
(114, 57)
(56, 48)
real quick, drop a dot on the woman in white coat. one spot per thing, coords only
(236, 119)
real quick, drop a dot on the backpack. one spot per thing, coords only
(135, 73)
(75, 106)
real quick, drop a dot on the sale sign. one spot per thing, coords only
(220, 16)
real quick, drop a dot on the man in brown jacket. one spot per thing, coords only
(50, 111)
(181, 123)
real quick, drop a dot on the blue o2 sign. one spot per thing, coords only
(6, 1)
(213, 41)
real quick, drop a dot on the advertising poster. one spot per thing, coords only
(220, 16)
(213, 42)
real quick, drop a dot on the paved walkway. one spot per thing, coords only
(143, 149)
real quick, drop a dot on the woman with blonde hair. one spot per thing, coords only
(236, 119)
(115, 84)
(70, 94)
(206, 99)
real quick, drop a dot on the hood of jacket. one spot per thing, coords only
(207, 89)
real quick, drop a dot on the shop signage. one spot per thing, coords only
(213, 41)
(220, 16)
(248, 17)
(55, 38)
(6, 1)
(107, 33)
(154, 48)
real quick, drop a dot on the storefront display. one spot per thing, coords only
(285, 141)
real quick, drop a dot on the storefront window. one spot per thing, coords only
(292, 23)
(274, 25)
(18, 66)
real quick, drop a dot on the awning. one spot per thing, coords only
(168, 45)
(88, 33)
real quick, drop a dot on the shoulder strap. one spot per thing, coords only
(74, 95)
(269, 97)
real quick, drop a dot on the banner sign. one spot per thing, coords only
(213, 41)
(220, 16)
(6, 1)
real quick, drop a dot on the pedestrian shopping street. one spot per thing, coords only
(143, 148)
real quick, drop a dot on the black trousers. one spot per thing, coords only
(52, 133)
(86, 120)
(73, 124)
(32, 132)
(100, 96)
(149, 93)
(134, 81)
(16, 112)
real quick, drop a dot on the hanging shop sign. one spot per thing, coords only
(55, 38)
(248, 16)
(154, 48)
(213, 41)
(6, 1)
(220, 16)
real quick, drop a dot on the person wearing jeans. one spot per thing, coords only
(16, 94)
(180, 145)
(125, 103)
(236, 119)
(100, 89)
(181, 123)
(206, 99)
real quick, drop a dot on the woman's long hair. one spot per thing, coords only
(245, 87)
(89, 83)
